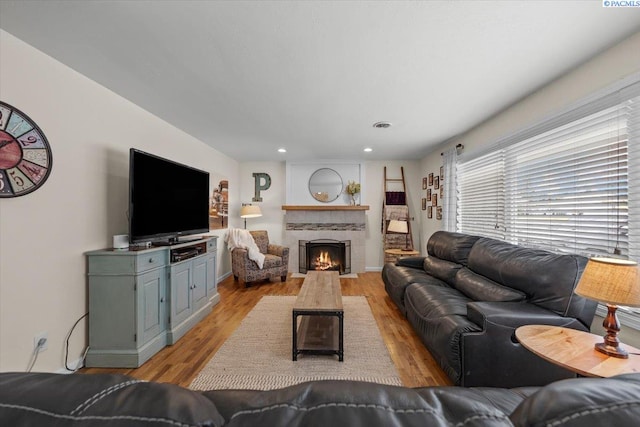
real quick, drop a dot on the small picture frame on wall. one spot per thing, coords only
(434, 199)
(439, 212)
(430, 212)
(441, 172)
(424, 183)
(429, 194)
(441, 192)
(424, 203)
(436, 182)
(430, 179)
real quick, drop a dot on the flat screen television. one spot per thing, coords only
(166, 199)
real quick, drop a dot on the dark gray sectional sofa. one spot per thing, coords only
(468, 296)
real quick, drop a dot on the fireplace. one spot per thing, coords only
(325, 255)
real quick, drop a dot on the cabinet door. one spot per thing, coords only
(199, 290)
(181, 282)
(151, 288)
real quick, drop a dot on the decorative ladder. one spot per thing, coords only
(395, 207)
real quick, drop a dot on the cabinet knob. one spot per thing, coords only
(151, 260)
(162, 299)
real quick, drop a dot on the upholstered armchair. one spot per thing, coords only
(276, 261)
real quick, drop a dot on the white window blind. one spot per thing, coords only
(565, 189)
(481, 203)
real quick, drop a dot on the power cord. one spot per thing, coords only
(36, 351)
(66, 351)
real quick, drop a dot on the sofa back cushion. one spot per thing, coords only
(479, 288)
(547, 279)
(583, 402)
(441, 269)
(449, 246)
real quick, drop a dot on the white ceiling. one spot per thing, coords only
(249, 77)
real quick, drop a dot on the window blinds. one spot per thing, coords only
(565, 189)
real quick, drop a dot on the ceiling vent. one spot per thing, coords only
(382, 125)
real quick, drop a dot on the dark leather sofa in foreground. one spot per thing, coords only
(466, 299)
(84, 400)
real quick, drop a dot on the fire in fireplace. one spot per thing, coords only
(325, 255)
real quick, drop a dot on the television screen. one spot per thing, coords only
(166, 199)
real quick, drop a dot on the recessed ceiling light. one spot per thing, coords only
(382, 125)
(282, 150)
(368, 150)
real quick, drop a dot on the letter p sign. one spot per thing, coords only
(262, 182)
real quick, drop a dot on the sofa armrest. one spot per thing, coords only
(516, 314)
(412, 261)
(495, 357)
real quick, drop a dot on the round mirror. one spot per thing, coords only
(325, 185)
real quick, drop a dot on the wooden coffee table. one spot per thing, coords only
(319, 306)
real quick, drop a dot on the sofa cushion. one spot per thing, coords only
(436, 302)
(451, 246)
(39, 399)
(479, 288)
(396, 278)
(583, 402)
(352, 403)
(440, 268)
(546, 278)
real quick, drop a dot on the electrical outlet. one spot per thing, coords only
(41, 336)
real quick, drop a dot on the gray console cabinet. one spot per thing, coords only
(140, 301)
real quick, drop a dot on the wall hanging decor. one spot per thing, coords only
(25, 154)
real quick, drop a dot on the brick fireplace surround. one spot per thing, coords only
(334, 222)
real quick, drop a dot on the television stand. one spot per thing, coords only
(160, 294)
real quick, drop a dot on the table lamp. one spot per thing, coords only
(249, 211)
(614, 282)
(400, 227)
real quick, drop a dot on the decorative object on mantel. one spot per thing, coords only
(325, 185)
(25, 154)
(352, 189)
(249, 211)
(614, 282)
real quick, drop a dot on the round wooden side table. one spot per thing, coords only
(574, 350)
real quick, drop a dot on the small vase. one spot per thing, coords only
(352, 199)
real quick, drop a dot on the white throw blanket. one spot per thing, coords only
(239, 238)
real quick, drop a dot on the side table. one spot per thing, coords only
(574, 350)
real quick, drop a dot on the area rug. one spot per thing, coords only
(257, 356)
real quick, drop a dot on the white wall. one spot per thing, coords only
(603, 70)
(43, 235)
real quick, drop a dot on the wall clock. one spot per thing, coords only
(25, 155)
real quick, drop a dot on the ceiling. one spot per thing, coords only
(249, 77)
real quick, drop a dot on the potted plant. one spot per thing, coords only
(352, 189)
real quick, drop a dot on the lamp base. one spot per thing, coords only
(618, 351)
(611, 345)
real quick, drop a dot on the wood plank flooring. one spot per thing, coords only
(180, 362)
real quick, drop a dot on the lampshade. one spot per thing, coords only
(398, 226)
(612, 281)
(250, 211)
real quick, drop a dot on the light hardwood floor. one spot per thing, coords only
(180, 362)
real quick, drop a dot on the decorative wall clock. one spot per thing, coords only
(25, 155)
